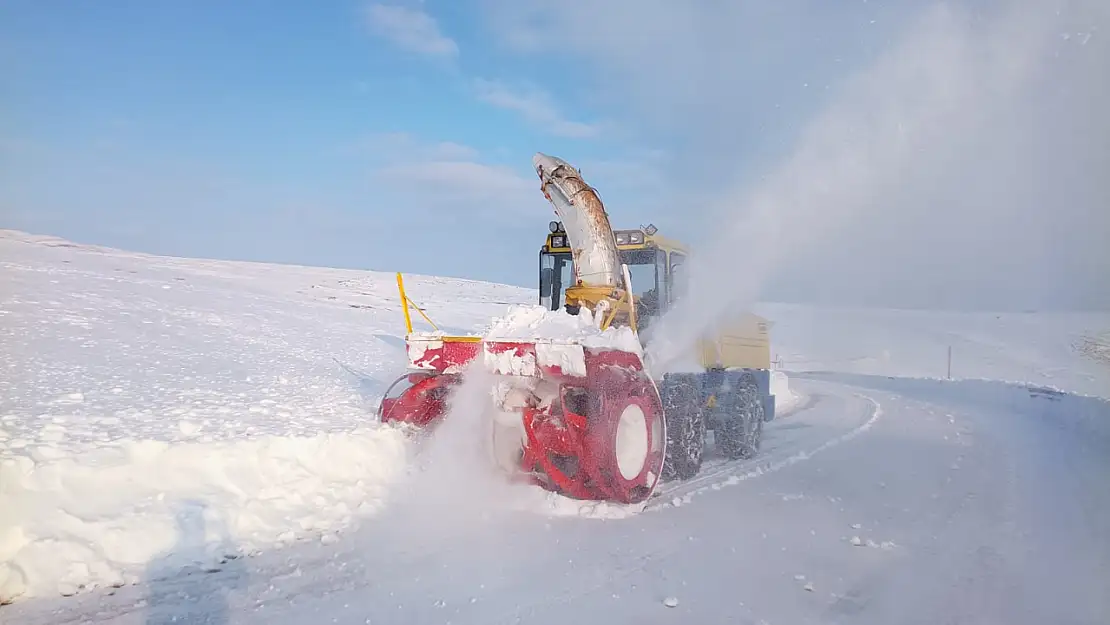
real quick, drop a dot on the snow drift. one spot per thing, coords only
(73, 522)
(144, 394)
(785, 397)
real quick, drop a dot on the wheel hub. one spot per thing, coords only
(631, 441)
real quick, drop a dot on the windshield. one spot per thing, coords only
(557, 273)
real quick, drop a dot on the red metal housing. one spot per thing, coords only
(600, 437)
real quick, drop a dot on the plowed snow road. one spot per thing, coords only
(881, 501)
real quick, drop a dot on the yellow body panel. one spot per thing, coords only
(741, 342)
(663, 243)
(653, 240)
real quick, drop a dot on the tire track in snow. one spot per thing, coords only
(733, 474)
(715, 474)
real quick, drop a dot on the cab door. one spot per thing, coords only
(676, 277)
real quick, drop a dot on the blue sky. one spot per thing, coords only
(398, 135)
(344, 133)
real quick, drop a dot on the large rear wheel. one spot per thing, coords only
(740, 432)
(685, 427)
(627, 443)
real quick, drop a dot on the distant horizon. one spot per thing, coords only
(78, 244)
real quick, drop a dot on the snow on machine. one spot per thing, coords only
(574, 406)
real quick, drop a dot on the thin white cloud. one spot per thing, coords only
(410, 29)
(437, 176)
(534, 105)
(402, 146)
(413, 29)
(465, 180)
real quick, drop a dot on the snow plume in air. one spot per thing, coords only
(922, 116)
(455, 485)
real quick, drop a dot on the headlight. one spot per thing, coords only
(559, 241)
(622, 238)
(553, 226)
(636, 237)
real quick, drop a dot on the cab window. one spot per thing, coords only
(678, 276)
(556, 274)
(645, 267)
(641, 267)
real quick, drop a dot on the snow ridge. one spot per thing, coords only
(76, 523)
(186, 410)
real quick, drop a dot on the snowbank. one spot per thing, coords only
(536, 322)
(98, 519)
(1047, 349)
(559, 339)
(166, 411)
(785, 398)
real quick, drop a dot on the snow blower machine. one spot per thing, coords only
(575, 408)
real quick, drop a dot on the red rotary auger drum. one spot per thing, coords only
(591, 419)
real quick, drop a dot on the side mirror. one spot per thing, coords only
(547, 282)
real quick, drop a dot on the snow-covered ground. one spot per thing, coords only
(159, 412)
(139, 388)
(1069, 351)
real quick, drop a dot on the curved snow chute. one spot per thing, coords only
(601, 282)
(587, 414)
(596, 259)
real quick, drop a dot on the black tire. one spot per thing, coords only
(740, 431)
(685, 427)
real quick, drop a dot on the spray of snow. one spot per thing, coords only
(905, 113)
(453, 468)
